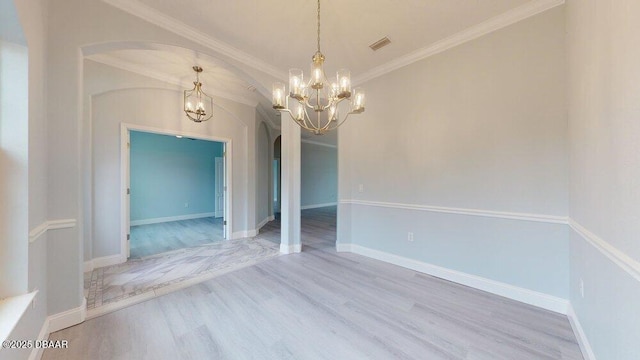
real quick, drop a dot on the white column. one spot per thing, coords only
(290, 207)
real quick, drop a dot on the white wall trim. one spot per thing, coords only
(526, 296)
(264, 222)
(244, 234)
(57, 322)
(68, 318)
(118, 63)
(319, 143)
(36, 354)
(315, 206)
(460, 211)
(621, 259)
(102, 262)
(343, 248)
(39, 230)
(290, 249)
(585, 347)
(164, 21)
(496, 23)
(172, 218)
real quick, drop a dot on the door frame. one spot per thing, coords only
(125, 129)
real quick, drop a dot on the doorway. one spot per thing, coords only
(277, 176)
(175, 191)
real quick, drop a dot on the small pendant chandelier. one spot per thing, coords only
(318, 96)
(197, 105)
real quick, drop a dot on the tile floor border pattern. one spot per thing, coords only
(114, 287)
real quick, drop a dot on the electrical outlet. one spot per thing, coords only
(581, 287)
(410, 236)
(361, 188)
(186, 204)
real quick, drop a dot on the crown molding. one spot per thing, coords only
(496, 23)
(115, 62)
(510, 17)
(159, 19)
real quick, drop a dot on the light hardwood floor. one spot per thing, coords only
(320, 304)
(152, 239)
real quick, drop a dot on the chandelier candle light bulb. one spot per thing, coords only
(314, 95)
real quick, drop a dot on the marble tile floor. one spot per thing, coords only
(114, 287)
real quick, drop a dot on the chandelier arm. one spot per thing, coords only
(327, 126)
(333, 101)
(305, 103)
(306, 122)
(302, 124)
(340, 123)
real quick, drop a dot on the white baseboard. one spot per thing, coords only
(526, 296)
(261, 224)
(244, 234)
(172, 218)
(343, 247)
(264, 222)
(254, 232)
(315, 206)
(102, 262)
(219, 213)
(585, 347)
(57, 322)
(36, 354)
(68, 318)
(290, 249)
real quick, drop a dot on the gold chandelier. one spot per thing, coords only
(197, 105)
(318, 96)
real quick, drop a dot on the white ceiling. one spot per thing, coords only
(283, 32)
(276, 35)
(176, 68)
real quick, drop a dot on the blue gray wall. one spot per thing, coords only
(604, 141)
(168, 172)
(475, 138)
(318, 175)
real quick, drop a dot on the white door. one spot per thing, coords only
(219, 184)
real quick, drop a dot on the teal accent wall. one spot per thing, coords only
(168, 172)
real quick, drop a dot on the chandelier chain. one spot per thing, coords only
(318, 25)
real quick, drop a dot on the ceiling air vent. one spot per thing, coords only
(380, 43)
